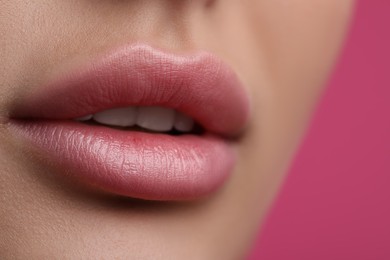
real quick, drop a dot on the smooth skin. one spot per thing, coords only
(283, 51)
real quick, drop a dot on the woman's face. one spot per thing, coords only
(282, 52)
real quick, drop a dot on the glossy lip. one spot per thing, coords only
(136, 164)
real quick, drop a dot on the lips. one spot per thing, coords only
(145, 165)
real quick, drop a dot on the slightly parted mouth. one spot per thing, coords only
(185, 103)
(198, 85)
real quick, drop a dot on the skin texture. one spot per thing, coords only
(282, 51)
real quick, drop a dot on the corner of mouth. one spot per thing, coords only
(149, 89)
(197, 84)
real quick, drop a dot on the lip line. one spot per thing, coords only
(137, 164)
(189, 73)
(208, 164)
(134, 128)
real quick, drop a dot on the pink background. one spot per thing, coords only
(335, 203)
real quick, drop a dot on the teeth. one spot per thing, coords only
(156, 118)
(152, 118)
(183, 123)
(117, 117)
(84, 118)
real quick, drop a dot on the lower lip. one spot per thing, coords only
(141, 165)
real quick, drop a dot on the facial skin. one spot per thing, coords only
(281, 50)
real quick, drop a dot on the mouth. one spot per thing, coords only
(139, 122)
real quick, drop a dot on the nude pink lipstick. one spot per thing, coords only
(153, 166)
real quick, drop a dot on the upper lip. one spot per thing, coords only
(131, 163)
(198, 84)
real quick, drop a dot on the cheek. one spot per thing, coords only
(296, 44)
(300, 41)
